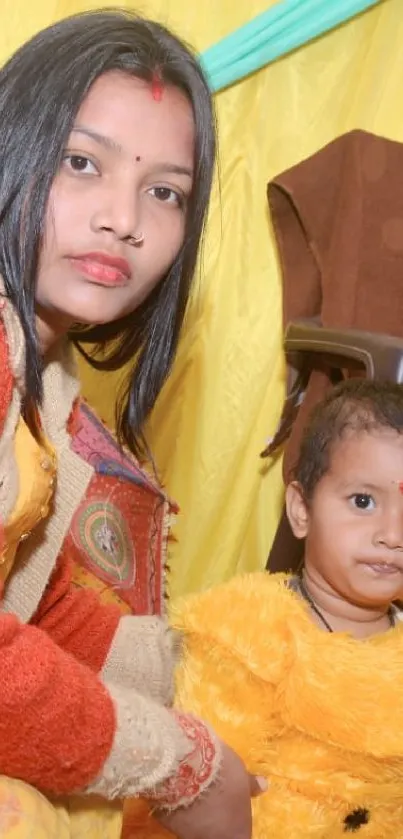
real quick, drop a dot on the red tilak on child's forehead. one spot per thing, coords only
(157, 86)
(400, 485)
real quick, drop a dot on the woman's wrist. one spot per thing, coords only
(197, 768)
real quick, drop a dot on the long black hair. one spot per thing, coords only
(41, 89)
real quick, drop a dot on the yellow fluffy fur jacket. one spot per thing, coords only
(319, 714)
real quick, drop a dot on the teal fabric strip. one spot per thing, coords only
(282, 28)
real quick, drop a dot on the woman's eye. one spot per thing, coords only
(363, 501)
(167, 195)
(80, 164)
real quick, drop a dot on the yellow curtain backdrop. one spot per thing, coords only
(224, 396)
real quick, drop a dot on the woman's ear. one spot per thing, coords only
(297, 510)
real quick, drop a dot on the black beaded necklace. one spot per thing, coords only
(306, 596)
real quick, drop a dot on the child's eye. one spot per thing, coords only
(362, 501)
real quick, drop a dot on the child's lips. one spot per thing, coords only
(384, 568)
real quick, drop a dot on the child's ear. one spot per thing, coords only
(297, 510)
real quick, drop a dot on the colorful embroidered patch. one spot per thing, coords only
(100, 532)
(102, 548)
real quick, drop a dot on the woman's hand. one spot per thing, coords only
(223, 810)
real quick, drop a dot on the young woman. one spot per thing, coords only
(106, 159)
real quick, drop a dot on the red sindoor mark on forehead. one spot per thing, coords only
(157, 86)
(400, 485)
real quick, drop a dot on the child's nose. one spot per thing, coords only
(390, 532)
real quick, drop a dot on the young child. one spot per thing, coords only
(303, 676)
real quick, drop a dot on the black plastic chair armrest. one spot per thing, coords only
(380, 355)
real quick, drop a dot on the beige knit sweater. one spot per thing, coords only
(151, 743)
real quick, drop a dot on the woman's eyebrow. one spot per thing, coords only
(102, 139)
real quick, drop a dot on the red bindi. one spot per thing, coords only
(400, 485)
(157, 86)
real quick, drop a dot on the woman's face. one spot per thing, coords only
(127, 172)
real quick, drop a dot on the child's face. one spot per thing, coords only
(353, 526)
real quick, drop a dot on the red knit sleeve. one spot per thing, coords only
(75, 619)
(57, 721)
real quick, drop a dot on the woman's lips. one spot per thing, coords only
(103, 268)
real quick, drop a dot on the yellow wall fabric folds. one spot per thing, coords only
(226, 390)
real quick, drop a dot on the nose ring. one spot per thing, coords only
(136, 240)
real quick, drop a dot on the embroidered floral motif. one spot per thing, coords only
(103, 537)
(118, 540)
(195, 770)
